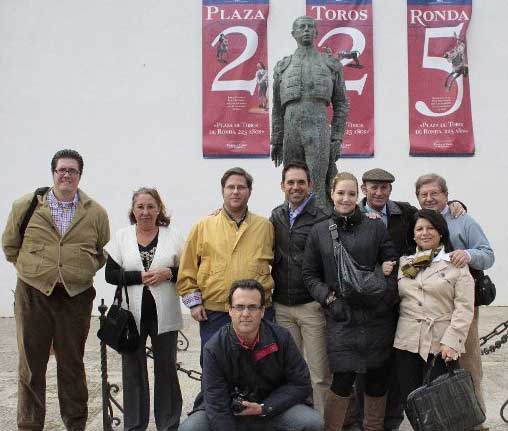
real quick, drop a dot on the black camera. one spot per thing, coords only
(237, 399)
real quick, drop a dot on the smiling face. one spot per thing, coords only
(431, 196)
(296, 187)
(426, 235)
(377, 193)
(246, 323)
(236, 194)
(66, 178)
(145, 211)
(344, 196)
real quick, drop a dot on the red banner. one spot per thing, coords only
(235, 79)
(439, 101)
(345, 31)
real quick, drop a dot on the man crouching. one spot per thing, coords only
(254, 377)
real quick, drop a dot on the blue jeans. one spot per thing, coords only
(296, 418)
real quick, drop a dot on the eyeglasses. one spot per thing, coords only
(232, 188)
(71, 171)
(431, 195)
(250, 308)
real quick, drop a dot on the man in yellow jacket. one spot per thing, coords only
(234, 244)
(56, 259)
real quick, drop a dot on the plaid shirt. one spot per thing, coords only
(62, 212)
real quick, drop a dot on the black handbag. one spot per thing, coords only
(484, 288)
(358, 285)
(119, 330)
(448, 403)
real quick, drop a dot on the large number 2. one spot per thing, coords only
(440, 63)
(250, 49)
(358, 45)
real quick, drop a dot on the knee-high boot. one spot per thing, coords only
(374, 413)
(335, 411)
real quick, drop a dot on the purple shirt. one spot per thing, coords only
(62, 212)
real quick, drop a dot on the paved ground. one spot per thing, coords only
(496, 377)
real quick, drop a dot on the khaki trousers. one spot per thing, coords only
(306, 323)
(472, 360)
(64, 322)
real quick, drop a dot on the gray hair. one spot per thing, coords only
(431, 178)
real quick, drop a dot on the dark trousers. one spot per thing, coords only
(64, 322)
(216, 320)
(136, 391)
(376, 382)
(394, 413)
(411, 369)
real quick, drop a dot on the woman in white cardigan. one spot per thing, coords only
(149, 251)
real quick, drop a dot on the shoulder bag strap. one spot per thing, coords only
(28, 215)
(332, 227)
(124, 285)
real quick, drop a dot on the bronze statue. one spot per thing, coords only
(304, 84)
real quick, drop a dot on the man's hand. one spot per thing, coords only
(373, 215)
(388, 267)
(253, 409)
(277, 154)
(459, 258)
(456, 209)
(156, 276)
(198, 313)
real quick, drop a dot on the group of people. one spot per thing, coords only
(266, 293)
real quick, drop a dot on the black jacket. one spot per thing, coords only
(289, 249)
(357, 338)
(400, 219)
(275, 373)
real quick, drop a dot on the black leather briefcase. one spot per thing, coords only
(446, 404)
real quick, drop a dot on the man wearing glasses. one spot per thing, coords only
(254, 377)
(230, 245)
(470, 247)
(56, 260)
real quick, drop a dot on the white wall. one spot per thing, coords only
(120, 81)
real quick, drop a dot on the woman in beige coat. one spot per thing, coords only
(436, 307)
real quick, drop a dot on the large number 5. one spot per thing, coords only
(250, 49)
(358, 45)
(440, 63)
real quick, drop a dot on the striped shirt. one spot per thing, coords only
(62, 212)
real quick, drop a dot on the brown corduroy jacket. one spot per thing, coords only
(45, 255)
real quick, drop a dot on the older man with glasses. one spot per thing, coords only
(56, 258)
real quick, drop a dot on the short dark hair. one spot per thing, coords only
(439, 223)
(237, 171)
(67, 154)
(248, 284)
(162, 219)
(295, 165)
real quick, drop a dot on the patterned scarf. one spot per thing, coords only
(419, 261)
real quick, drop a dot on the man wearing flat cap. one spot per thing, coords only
(397, 216)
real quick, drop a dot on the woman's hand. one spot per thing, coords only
(388, 267)
(156, 276)
(448, 354)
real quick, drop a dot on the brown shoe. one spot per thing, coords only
(374, 413)
(335, 411)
